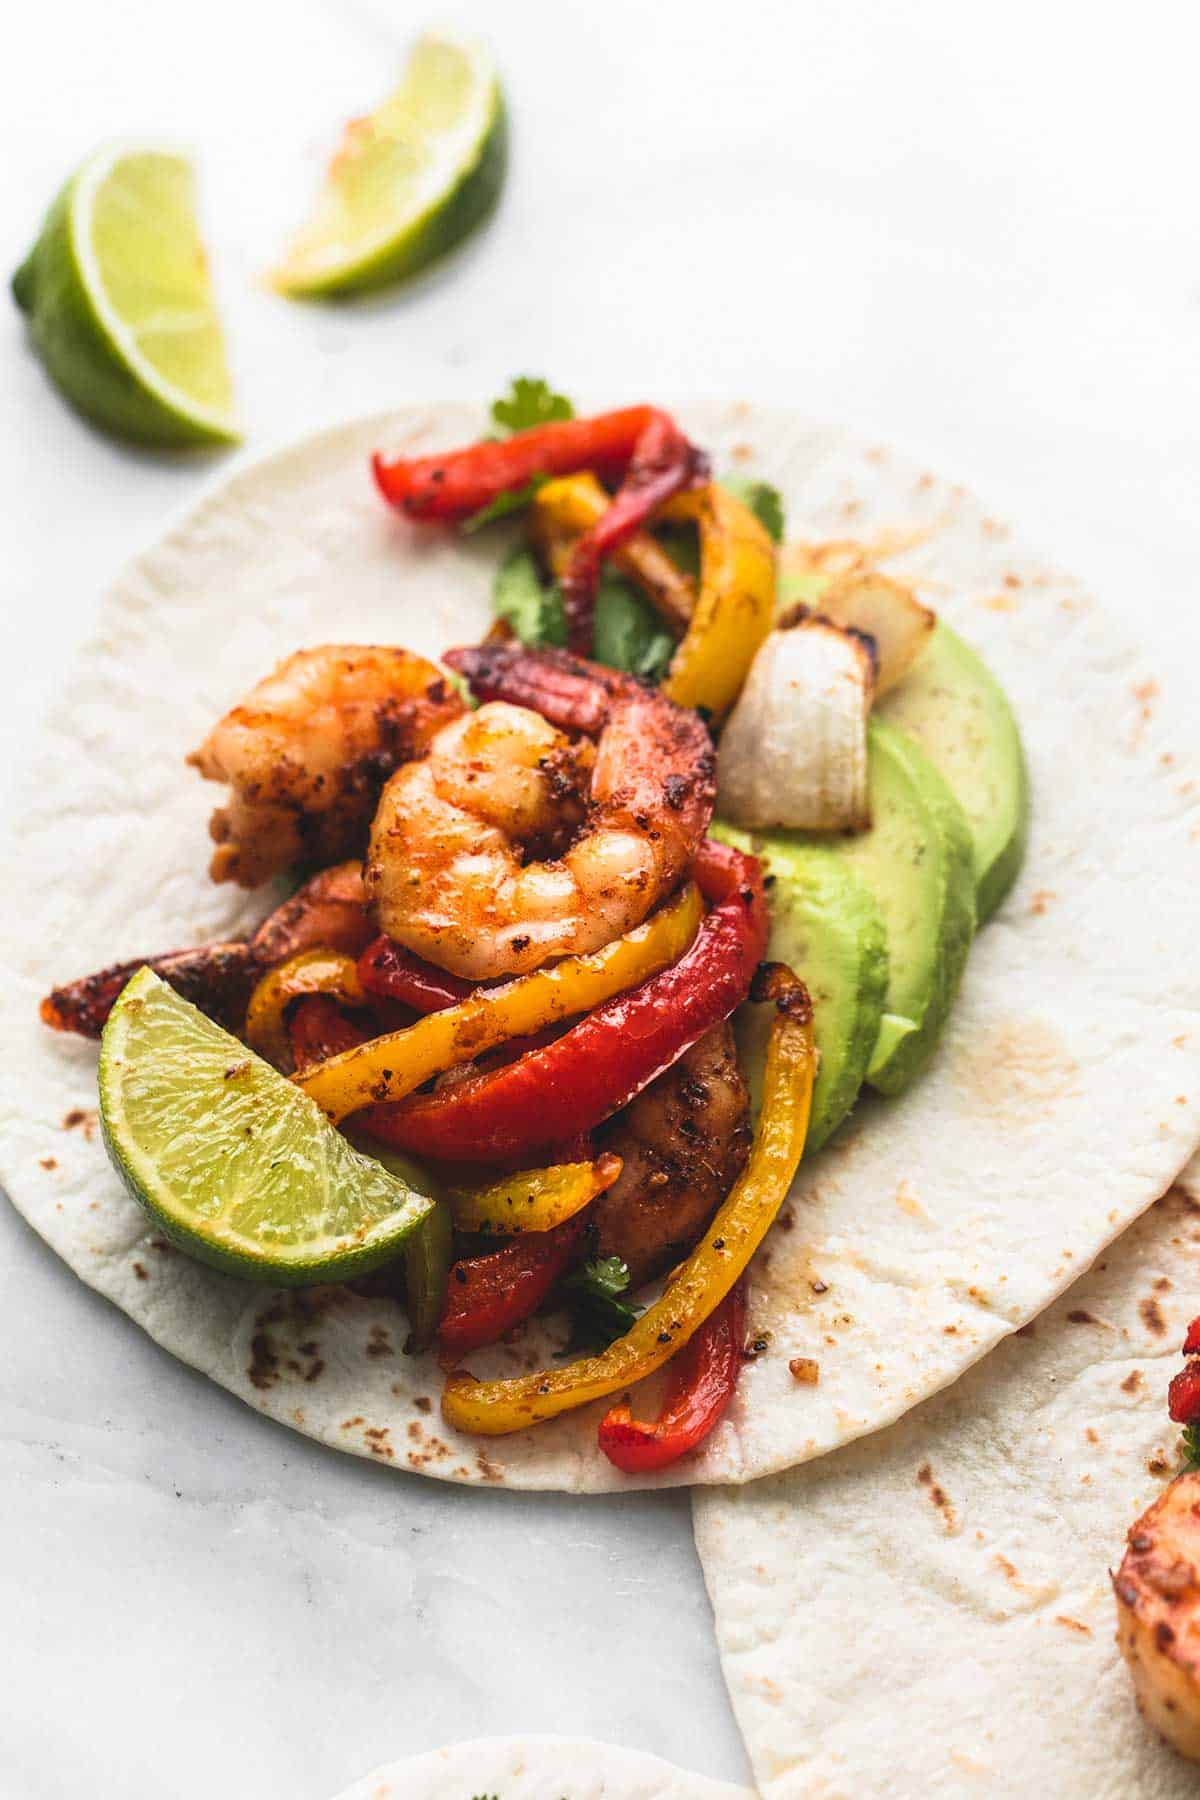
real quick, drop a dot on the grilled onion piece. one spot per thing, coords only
(889, 614)
(794, 748)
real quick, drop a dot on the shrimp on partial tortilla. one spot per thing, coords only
(308, 750)
(511, 842)
(1158, 1583)
(1157, 1589)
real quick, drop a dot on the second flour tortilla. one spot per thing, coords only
(930, 1613)
(1065, 1098)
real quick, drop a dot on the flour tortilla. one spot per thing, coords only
(1065, 1098)
(930, 1613)
(538, 1768)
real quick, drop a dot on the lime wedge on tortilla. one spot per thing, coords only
(408, 182)
(234, 1162)
(120, 303)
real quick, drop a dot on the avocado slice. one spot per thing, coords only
(917, 859)
(827, 926)
(954, 708)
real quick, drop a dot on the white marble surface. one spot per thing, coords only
(970, 229)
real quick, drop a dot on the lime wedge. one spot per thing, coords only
(234, 1162)
(408, 182)
(120, 302)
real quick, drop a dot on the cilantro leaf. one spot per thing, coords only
(605, 1277)
(627, 633)
(462, 688)
(593, 1298)
(522, 600)
(529, 401)
(655, 660)
(1191, 1449)
(682, 545)
(763, 500)
(511, 501)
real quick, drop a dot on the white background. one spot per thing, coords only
(972, 229)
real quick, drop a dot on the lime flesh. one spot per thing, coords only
(237, 1165)
(410, 181)
(120, 302)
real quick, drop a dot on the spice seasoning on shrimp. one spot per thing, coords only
(308, 749)
(611, 1055)
(486, 859)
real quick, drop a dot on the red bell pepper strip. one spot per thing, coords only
(600, 1064)
(387, 970)
(451, 486)
(568, 1150)
(641, 444)
(487, 1295)
(1183, 1395)
(571, 693)
(663, 463)
(319, 1029)
(703, 1378)
(217, 978)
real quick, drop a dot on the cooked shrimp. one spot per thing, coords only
(1157, 1589)
(683, 1143)
(511, 843)
(329, 911)
(308, 750)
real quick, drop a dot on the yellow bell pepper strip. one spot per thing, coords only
(312, 972)
(533, 1199)
(563, 510)
(500, 1116)
(736, 604)
(389, 1067)
(494, 1408)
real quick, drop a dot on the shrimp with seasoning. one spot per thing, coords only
(308, 750)
(512, 842)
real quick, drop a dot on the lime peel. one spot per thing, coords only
(232, 1160)
(120, 302)
(410, 181)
